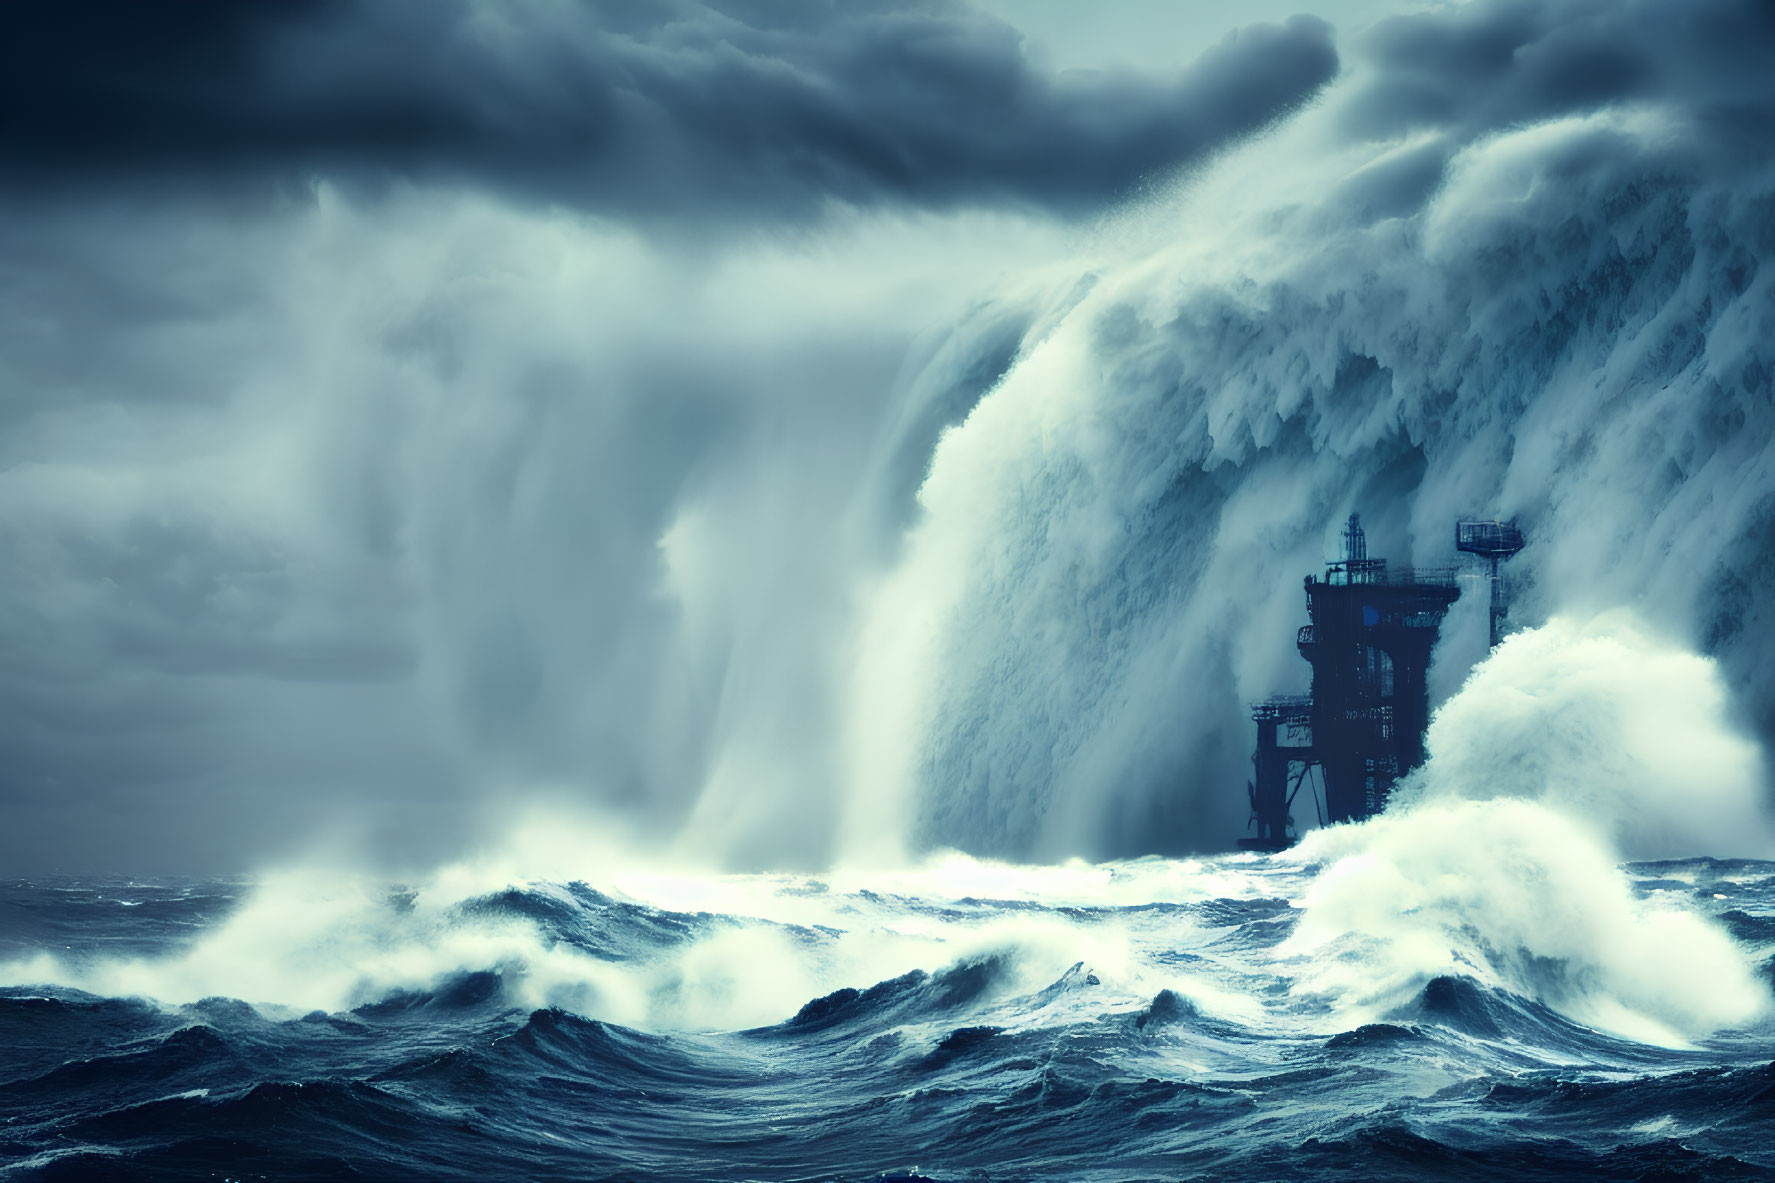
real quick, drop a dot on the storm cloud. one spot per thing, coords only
(670, 108)
(1478, 68)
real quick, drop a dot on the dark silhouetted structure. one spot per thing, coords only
(1369, 643)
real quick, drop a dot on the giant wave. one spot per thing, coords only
(1566, 319)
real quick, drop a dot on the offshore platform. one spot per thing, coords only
(1369, 643)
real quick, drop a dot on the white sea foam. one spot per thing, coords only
(1573, 744)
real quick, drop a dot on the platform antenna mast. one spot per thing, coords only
(1493, 541)
(1355, 540)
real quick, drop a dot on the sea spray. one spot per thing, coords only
(1621, 729)
(1499, 858)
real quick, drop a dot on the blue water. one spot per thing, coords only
(997, 1061)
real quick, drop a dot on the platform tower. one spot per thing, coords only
(1369, 644)
(1362, 728)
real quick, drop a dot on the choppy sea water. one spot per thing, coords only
(1144, 1020)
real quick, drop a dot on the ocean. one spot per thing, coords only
(1150, 1019)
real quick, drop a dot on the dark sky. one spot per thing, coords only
(667, 109)
(409, 411)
